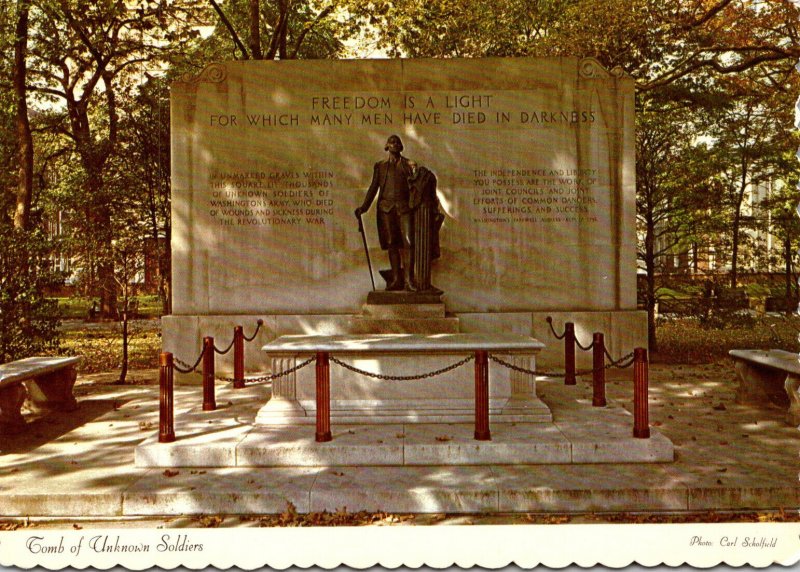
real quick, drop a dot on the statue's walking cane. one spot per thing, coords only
(366, 249)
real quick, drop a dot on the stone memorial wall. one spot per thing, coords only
(535, 166)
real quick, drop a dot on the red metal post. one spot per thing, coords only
(238, 357)
(209, 398)
(482, 432)
(641, 421)
(166, 428)
(323, 398)
(598, 370)
(569, 354)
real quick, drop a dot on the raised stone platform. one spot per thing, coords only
(448, 397)
(580, 434)
(742, 459)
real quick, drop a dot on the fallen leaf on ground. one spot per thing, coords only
(210, 521)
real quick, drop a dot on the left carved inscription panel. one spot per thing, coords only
(271, 198)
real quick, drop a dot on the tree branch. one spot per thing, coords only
(255, 30)
(274, 43)
(308, 27)
(229, 26)
(747, 64)
(709, 15)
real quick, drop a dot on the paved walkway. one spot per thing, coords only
(727, 457)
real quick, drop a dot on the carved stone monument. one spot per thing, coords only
(524, 166)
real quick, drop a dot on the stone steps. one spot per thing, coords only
(230, 445)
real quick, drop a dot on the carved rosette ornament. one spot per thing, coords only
(213, 73)
(590, 68)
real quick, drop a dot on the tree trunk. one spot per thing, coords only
(24, 137)
(650, 268)
(124, 371)
(737, 220)
(255, 30)
(98, 210)
(166, 275)
(652, 340)
(787, 259)
(735, 248)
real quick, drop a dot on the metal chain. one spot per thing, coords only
(189, 368)
(627, 365)
(271, 376)
(587, 348)
(403, 377)
(608, 355)
(561, 373)
(549, 321)
(226, 350)
(258, 327)
(516, 367)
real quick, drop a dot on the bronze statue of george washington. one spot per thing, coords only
(409, 219)
(390, 183)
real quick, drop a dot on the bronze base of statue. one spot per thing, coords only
(401, 291)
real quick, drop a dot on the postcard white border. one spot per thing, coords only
(488, 546)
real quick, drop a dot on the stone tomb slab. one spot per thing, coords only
(448, 397)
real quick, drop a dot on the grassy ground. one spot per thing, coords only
(77, 307)
(682, 341)
(100, 344)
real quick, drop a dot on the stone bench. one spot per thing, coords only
(47, 381)
(769, 377)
